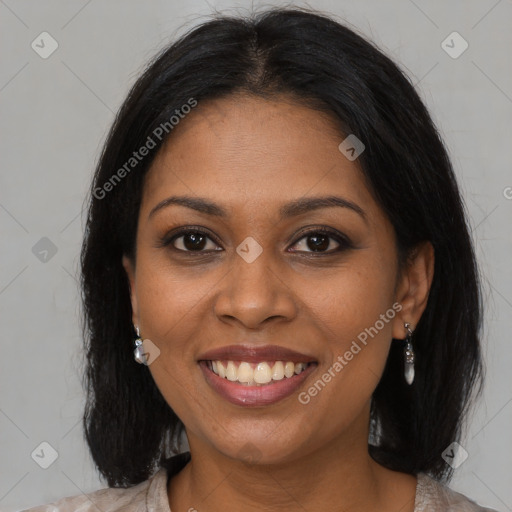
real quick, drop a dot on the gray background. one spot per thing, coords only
(55, 113)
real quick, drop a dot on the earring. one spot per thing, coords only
(138, 353)
(408, 356)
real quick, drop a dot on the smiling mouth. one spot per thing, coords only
(256, 374)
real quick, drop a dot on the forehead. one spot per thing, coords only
(247, 152)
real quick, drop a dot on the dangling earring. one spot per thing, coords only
(408, 356)
(138, 353)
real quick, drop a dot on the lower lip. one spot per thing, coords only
(254, 396)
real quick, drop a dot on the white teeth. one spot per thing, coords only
(219, 370)
(289, 369)
(262, 373)
(278, 371)
(231, 371)
(245, 372)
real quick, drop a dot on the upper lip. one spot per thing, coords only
(253, 354)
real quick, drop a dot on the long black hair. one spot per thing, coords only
(129, 427)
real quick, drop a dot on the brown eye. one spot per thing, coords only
(321, 241)
(318, 241)
(192, 241)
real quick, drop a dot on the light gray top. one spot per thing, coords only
(151, 496)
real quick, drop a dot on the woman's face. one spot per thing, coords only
(260, 277)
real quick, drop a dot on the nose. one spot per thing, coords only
(254, 293)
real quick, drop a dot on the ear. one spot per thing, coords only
(130, 272)
(413, 288)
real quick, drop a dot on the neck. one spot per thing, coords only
(338, 475)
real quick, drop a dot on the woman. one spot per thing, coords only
(275, 232)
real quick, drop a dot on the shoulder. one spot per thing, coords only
(434, 496)
(148, 496)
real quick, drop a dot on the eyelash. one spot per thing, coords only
(342, 240)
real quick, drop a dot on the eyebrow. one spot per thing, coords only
(291, 209)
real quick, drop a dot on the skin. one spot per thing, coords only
(251, 155)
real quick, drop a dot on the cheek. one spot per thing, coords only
(351, 298)
(354, 357)
(167, 301)
(353, 310)
(169, 309)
